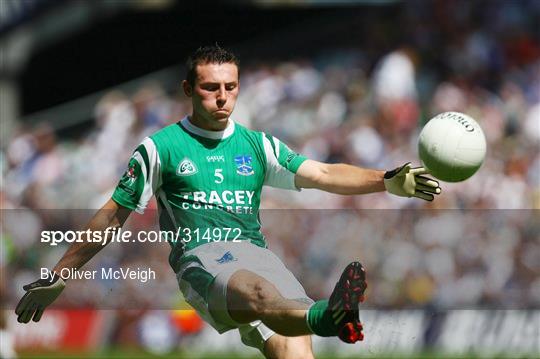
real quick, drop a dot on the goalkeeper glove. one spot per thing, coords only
(39, 295)
(405, 181)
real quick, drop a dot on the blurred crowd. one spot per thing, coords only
(477, 244)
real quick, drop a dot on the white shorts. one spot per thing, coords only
(205, 271)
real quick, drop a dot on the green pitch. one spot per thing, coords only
(138, 354)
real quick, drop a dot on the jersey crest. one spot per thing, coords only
(243, 165)
(186, 168)
(129, 179)
(130, 174)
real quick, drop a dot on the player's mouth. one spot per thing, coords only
(221, 113)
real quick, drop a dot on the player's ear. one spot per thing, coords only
(188, 90)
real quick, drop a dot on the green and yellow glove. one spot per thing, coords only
(405, 181)
(39, 295)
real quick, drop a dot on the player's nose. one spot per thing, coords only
(222, 94)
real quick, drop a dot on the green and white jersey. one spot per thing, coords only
(207, 183)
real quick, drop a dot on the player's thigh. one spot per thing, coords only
(279, 346)
(249, 295)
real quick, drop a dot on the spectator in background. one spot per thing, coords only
(394, 88)
(115, 116)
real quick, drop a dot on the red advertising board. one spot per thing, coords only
(78, 330)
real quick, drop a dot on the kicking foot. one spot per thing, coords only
(343, 303)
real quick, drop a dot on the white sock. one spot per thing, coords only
(7, 350)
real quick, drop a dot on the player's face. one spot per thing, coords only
(214, 94)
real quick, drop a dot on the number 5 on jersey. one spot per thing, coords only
(219, 175)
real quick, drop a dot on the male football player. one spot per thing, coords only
(207, 173)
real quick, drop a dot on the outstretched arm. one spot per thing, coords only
(341, 178)
(110, 215)
(43, 292)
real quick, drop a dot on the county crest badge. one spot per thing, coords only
(129, 178)
(130, 174)
(186, 168)
(243, 165)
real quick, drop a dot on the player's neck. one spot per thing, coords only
(203, 124)
(215, 135)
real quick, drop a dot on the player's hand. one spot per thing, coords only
(39, 295)
(405, 181)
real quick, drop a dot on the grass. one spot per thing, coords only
(139, 354)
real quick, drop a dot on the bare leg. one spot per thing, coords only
(280, 347)
(250, 297)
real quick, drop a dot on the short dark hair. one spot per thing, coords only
(208, 54)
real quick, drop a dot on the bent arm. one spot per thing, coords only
(110, 215)
(339, 178)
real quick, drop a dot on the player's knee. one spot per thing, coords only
(263, 294)
(302, 348)
(299, 352)
(289, 347)
(250, 296)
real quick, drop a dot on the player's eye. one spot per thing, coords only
(210, 87)
(230, 87)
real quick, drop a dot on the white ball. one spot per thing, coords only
(452, 146)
